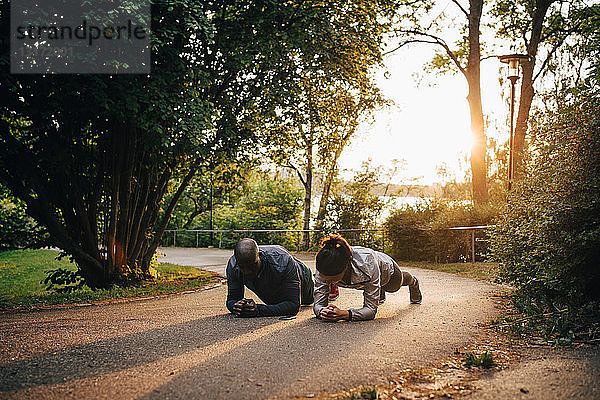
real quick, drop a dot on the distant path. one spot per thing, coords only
(209, 258)
(189, 346)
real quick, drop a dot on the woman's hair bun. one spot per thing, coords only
(334, 255)
(332, 242)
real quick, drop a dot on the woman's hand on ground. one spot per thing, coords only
(332, 313)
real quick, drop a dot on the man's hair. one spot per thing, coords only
(246, 253)
(334, 255)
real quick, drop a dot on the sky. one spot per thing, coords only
(429, 123)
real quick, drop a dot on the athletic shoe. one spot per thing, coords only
(334, 292)
(415, 292)
(381, 296)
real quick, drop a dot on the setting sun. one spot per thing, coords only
(428, 124)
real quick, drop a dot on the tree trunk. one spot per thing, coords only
(472, 74)
(307, 194)
(527, 91)
(331, 171)
(325, 196)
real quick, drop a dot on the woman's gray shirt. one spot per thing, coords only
(370, 271)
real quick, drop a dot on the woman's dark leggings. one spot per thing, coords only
(399, 278)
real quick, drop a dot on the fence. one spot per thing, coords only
(455, 244)
(290, 238)
(378, 239)
(472, 230)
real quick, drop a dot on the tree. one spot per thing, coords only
(263, 201)
(213, 185)
(543, 27)
(420, 25)
(17, 229)
(355, 206)
(93, 156)
(312, 130)
(317, 134)
(346, 112)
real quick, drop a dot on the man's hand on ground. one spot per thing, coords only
(245, 308)
(332, 313)
(237, 307)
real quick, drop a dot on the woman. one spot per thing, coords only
(361, 268)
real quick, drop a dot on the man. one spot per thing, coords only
(281, 281)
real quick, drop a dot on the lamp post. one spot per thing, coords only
(513, 61)
(211, 226)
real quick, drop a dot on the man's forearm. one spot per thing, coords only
(283, 308)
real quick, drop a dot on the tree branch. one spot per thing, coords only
(461, 8)
(293, 167)
(547, 59)
(435, 40)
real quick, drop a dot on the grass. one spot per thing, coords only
(22, 273)
(485, 360)
(477, 270)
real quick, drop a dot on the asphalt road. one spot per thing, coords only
(188, 346)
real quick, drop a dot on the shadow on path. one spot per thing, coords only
(309, 356)
(119, 353)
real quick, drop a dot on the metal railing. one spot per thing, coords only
(294, 236)
(375, 238)
(472, 230)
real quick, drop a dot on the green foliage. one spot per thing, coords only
(264, 202)
(419, 232)
(219, 184)
(558, 35)
(94, 156)
(484, 360)
(17, 229)
(354, 205)
(22, 273)
(590, 47)
(547, 239)
(62, 280)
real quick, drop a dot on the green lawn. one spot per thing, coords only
(478, 270)
(22, 273)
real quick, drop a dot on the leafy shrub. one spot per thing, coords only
(485, 360)
(419, 232)
(266, 203)
(355, 206)
(547, 239)
(17, 229)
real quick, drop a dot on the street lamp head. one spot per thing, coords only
(513, 61)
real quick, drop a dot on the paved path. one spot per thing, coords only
(189, 346)
(211, 259)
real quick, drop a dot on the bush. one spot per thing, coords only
(17, 229)
(547, 239)
(419, 233)
(355, 206)
(266, 203)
